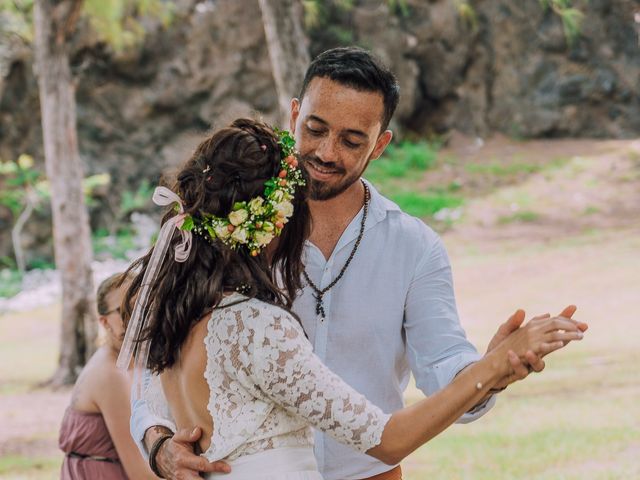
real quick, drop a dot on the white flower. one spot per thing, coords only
(284, 209)
(277, 196)
(263, 238)
(240, 235)
(238, 217)
(222, 231)
(268, 227)
(255, 206)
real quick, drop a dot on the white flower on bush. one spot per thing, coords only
(264, 238)
(284, 209)
(238, 217)
(255, 206)
(240, 235)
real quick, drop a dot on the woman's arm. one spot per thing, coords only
(415, 425)
(113, 399)
(290, 374)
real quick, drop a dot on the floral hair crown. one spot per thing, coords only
(255, 223)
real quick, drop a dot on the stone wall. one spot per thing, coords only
(507, 68)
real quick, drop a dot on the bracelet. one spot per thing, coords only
(155, 448)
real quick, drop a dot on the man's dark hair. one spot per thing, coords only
(359, 69)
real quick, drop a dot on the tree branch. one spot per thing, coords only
(66, 21)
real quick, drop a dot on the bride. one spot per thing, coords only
(215, 325)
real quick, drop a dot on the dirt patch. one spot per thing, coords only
(30, 422)
(542, 190)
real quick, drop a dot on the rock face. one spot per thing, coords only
(507, 66)
(496, 65)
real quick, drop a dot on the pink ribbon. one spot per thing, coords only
(163, 197)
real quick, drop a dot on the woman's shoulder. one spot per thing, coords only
(105, 371)
(256, 313)
(101, 364)
(101, 370)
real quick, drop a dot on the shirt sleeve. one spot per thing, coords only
(148, 409)
(437, 345)
(290, 374)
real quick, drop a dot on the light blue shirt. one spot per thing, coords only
(392, 313)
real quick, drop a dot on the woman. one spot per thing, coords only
(95, 430)
(230, 354)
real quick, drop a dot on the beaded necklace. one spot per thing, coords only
(318, 293)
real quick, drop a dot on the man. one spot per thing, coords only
(379, 301)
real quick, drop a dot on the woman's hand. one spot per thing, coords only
(537, 338)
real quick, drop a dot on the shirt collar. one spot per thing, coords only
(379, 207)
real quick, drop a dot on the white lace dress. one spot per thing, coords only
(267, 388)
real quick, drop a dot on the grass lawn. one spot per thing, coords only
(575, 421)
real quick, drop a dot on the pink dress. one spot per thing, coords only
(90, 452)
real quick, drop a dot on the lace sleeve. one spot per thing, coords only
(288, 372)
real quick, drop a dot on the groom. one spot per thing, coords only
(379, 300)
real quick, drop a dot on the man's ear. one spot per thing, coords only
(381, 143)
(295, 111)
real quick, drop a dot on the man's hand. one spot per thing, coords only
(533, 362)
(176, 458)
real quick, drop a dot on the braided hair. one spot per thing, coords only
(231, 165)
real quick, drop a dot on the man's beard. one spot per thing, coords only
(319, 190)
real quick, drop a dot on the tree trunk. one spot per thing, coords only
(54, 20)
(288, 49)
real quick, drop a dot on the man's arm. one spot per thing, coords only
(151, 420)
(144, 417)
(437, 346)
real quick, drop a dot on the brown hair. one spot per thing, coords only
(106, 287)
(229, 166)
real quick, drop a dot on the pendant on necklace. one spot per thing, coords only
(319, 305)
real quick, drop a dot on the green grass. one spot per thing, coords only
(575, 421)
(591, 210)
(10, 282)
(516, 167)
(495, 455)
(18, 467)
(523, 216)
(498, 169)
(115, 246)
(425, 204)
(396, 175)
(401, 161)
